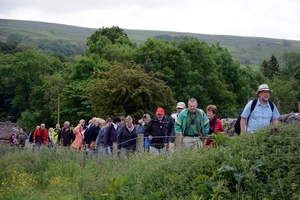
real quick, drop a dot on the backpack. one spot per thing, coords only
(237, 125)
(12, 139)
(30, 137)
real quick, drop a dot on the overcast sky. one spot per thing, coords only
(258, 18)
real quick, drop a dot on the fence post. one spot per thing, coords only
(82, 157)
(278, 105)
(140, 143)
(54, 152)
(100, 149)
(115, 153)
(178, 141)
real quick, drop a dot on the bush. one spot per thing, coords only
(252, 166)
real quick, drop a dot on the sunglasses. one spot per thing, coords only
(193, 121)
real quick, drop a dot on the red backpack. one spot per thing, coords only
(12, 139)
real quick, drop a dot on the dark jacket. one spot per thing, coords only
(110, 135)
(87, 132)
(170, 131)
(93, 133)
(66, 137)
(157, 130)
(127, 139)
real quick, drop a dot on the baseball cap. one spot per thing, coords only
(146, 116)
(160, 111)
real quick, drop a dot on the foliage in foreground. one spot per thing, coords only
(259, 166)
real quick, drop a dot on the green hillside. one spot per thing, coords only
(247, 50)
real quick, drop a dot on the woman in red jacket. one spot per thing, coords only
(215, 125)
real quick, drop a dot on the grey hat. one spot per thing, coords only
(180, 105)
(263, 87)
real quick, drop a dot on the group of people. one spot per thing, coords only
(195, 126)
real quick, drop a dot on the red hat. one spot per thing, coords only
(160, 111)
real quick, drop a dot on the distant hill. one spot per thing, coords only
(247, 50)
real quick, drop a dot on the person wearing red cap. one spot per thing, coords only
(193, 124)
(155, 131)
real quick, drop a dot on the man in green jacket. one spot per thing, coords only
(193, 124)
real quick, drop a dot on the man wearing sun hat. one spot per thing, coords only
(262, 114)
(155, 131)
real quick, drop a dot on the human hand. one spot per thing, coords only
(150, 137)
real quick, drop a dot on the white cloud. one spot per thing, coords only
(268, 18)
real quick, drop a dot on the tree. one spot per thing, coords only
(112, 34)
(14, 38)
(127, 90)
(75, 103)
(28, 70)
(265, 69)
(274, 66)
(288, 61)
(169, 63)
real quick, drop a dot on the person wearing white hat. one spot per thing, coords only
(170, 132)
(262, 115)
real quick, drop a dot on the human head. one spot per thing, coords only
(57, 126)
(43, 126)
(108, 121)
(67, 125)
(160, 112)
(93, 120)
(180, 106)
(82, 122)
(264, 92)
(192, 104)
(122, 122)
(21, 130)
(116, 120)
(211, 111)
(50, 130)
(146, 118)
(128, 122)
(37, 127)
(101, 122)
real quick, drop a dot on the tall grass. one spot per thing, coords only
(254, 166)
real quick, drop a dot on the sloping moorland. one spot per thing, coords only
(249, 51)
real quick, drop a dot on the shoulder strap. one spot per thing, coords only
(253, 104)
(272, 105)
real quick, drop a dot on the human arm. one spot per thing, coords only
(275, 116)
(220, 127)
(275, 122)
(169, 129)
(205, 122)
(242, 125)
(106, 134)
(119, 138)
(178, 125)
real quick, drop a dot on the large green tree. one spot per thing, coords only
(127, 90)
(288, 61)
(112, 33)
(169, 63)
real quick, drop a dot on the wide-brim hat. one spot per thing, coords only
(263, 87)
